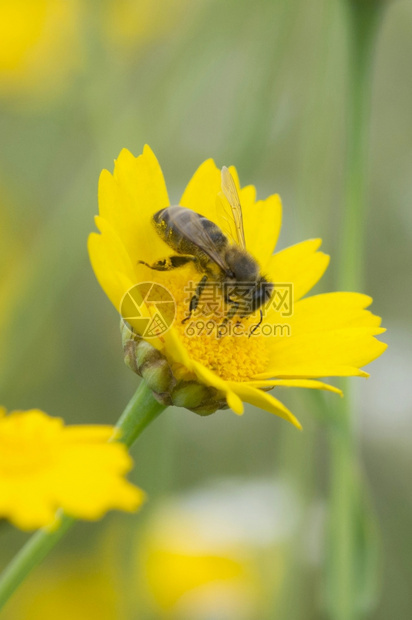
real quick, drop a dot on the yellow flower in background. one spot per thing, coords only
(204, 553)
(74, 586)
(39, 45)
(45, 465)
(200, 576)
(328, 335)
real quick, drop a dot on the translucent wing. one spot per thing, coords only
(230, 192)
(191, 226)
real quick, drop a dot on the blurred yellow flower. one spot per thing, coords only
(45, 465)
(39, 45)
(173, 574)
(327, 335)
(73, 587)
(204, 554)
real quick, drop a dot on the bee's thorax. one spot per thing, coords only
(242, 264)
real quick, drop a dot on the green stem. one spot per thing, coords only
(343, 599)
(341, 570)
(363, 20)
(139, 413)
(32, 554)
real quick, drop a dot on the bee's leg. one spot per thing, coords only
(171, 262)
(194, 302)
(254, 328)
(234, 307)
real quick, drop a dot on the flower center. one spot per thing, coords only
(226, 348)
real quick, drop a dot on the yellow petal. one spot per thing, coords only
(315, 370)
(210, 378)
(262, 222)
(117, 255)
(28, 507)
(302, 383)
(90, 480)
(329, 311)
(338, 352)
(175, 349)
(202, 190)
(300, 265)
(114, 282)
(128, 200)
(133, 310)
(50, 466)
(247, 194)
(263, 400)
(177, 352)
(87, 433)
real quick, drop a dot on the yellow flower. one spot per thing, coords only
(72, 586)
(39, 45)
(205, 554)
(45, 465)
(327, 335)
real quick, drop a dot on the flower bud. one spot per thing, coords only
(150, 364)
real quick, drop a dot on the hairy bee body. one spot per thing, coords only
(176, 226)
(213, 254)
(198, 241)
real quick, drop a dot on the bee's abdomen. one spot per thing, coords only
(181, 229)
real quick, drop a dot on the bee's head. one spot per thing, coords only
(262, 292)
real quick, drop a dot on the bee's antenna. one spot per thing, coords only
(254, 328)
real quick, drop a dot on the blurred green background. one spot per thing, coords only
(239, 502)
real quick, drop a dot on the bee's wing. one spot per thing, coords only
(188, 224)
(235, 218)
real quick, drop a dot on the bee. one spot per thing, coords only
(199, 241)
